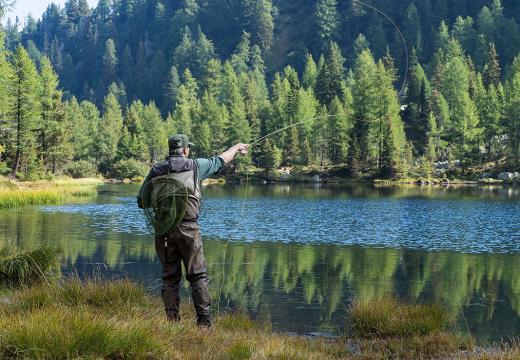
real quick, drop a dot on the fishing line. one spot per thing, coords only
(400, 34)
(261, 139)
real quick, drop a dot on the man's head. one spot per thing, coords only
(179, 145)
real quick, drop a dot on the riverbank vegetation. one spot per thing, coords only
(15, 194)
(458, 108)
(119, 319)
(43, 317)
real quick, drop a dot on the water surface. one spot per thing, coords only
(297, 255)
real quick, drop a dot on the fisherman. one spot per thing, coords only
(183, 242)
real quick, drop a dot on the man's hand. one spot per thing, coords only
(230, 153)
(243, 148)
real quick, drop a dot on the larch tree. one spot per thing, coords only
(23, 113)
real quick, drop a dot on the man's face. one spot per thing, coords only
(187, 151)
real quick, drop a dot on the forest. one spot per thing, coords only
(99, 90)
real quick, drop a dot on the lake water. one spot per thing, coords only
(297, 255)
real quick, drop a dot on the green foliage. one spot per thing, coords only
(80, 169)
(129, 169)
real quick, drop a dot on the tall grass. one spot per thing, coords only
(64, 334)
(22, 267)
(44, 196)
(96, 319)
(388, 317)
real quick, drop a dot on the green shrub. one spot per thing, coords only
(81, 169)
(129, 169)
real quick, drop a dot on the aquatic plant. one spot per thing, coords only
(20, 267)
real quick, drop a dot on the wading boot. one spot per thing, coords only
(173, 315)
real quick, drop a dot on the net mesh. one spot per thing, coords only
(165, 201)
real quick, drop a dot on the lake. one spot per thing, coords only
(297, 255)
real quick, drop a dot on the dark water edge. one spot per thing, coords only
(291, 262)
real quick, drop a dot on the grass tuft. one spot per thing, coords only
(102, 294)
(387, 317)
(22, 267)
(56, 333)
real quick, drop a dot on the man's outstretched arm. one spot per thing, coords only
(230, 153)
(211, 166)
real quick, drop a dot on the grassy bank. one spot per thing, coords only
(120, 320)
(15, 194)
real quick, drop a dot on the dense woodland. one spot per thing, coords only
(99, 90)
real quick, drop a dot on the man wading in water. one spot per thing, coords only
(183, 241)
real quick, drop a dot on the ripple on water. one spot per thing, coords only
(415, 223)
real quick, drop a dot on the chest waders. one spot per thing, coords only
(172, 203)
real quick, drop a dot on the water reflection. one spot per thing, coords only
(305, 283)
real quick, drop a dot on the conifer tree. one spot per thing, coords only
(154, 136)
(24, 111)
(53, 127)
(172, 89)
(512, 109)
(110, 61)
(338, 132)
(463, 131)
(109, 132)
(492, 68)
(187, 107)
(326, 18)
(329, 81)
(310, 73)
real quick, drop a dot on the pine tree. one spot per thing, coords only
(512, 109)
(329, 81)
(492, 68)
(463, 130)
(490, 109)
(110, 62)
(110, 131)
(365, 94)
(6, 79)
(326, 18)
(338, 132)
(23, 112)
(53, 128)
(418, 106)
(310, 73)
(241, 56)
(155, 138)
(216, 116)
(259, 17)
(188, 106)
(172, 89)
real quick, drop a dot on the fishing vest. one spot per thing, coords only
(184, 171)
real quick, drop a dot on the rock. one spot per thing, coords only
(506, 176)
(486, 176)
(316, 179)
(517, 175)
